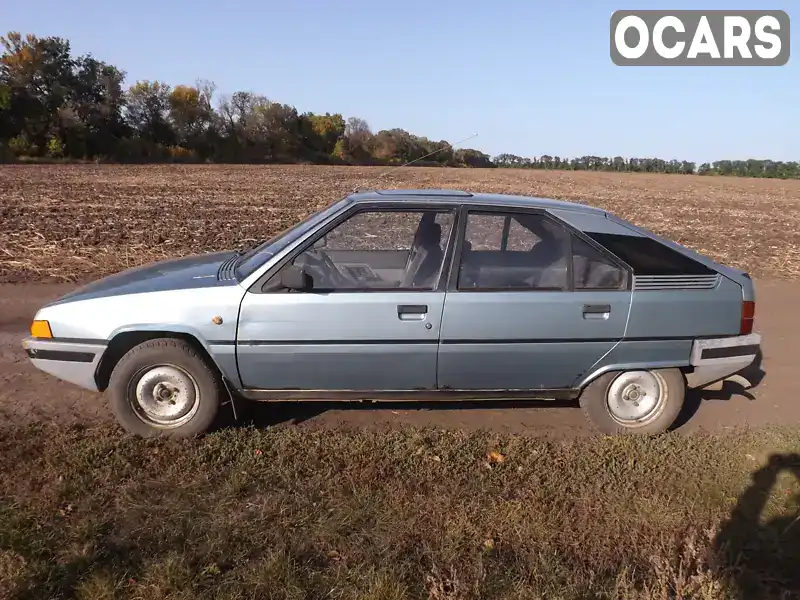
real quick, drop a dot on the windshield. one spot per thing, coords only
(255, 257)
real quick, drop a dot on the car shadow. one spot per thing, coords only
(760, 559)
(754, 373)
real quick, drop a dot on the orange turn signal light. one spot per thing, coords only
(41, 329)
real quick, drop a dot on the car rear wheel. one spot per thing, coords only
(646, 402)
(164, 387)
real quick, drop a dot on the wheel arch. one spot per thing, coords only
(587, 378)
(123, 341)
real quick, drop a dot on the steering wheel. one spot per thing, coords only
(328, 267)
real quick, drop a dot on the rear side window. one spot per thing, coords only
(649, 257)
(593, 270)
(513, 251)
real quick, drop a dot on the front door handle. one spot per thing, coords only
(596, 311)
(412, 312)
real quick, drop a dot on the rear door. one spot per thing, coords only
(531, 305)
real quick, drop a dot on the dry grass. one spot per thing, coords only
(284, 513)
(73, 222)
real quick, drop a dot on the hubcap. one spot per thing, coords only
(635, 397)
(165, 396)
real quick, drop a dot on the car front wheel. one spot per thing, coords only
(164, 387)
(646, 402)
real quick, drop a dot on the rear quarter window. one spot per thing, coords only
(647, 256)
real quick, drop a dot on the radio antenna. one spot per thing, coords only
(393, 168)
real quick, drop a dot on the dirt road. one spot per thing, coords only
(28, 395)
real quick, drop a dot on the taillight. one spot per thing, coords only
(748, 315)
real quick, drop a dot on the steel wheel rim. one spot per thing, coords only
(164, 396)
(636, 398)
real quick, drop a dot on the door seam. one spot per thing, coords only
(591, 369)
(439, 340)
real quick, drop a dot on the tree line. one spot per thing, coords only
(741, 168)
(54, 105)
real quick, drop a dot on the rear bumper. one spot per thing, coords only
(717, 358)
(75, 362)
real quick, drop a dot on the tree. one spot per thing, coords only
(444, 153)
(358, 141)
(192, 116)
(322, 133)
(473, 158)
(90, 122)
(277, 127)
(39, 74)
(236, 118)
(148, 112)
(509, 161)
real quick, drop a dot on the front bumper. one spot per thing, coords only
(718, 358)
(72, 361)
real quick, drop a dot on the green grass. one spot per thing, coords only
(296, 513)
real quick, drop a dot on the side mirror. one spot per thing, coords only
(295, 278)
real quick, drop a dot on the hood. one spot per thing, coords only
(198, 271)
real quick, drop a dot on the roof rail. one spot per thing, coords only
(424, 192)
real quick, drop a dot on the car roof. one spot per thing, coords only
(442, 196)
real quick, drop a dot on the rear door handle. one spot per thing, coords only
(412, 312)
(596, 311)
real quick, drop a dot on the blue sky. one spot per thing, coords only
(529, 77)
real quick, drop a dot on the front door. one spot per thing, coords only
(372, 319)
(532, 306)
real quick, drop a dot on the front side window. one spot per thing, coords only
(513, 251)
(380, 250)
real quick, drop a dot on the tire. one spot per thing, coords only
(164, 387)
(605, 404)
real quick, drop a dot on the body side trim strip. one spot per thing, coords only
(729, 351)
(449, 342)
(60, 355)
(66, 340)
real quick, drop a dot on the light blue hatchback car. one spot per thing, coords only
(409, 295)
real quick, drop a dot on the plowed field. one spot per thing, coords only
(71, 223)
